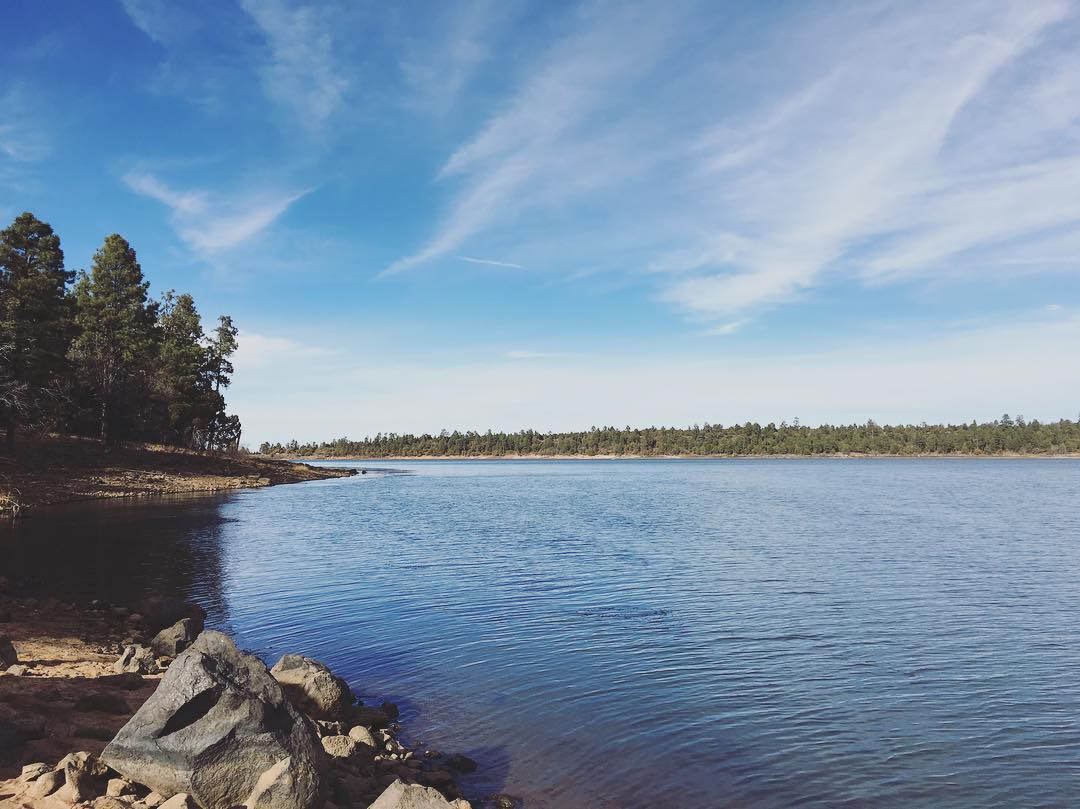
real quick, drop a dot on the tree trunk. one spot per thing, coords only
(106, 433)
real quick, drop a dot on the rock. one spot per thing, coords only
(102, 701)
(31, 772)
(180, 801)
(410, 796)
(274, 789)
(46, 784)
(18, 670)
(86, 776)
(136, 659)
(340, 747)
(153, 800)
(217, 722)
(501, 801)
(159, 613)
(109, 802)
(361, 735)
(8, 656)
(390, 709)
(172, 640)
(330, 728)
(370, 717)
(313, 688)
(119, 788)
(461, 763)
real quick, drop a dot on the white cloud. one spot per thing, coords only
(301, 73)
(160, 20)
(209, 222)
(490, 262)
(725, 329)
(258, 352)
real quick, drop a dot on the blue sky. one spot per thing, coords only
(511, 214)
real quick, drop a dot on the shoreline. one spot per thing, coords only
(52, 470)
(633, 457)
(73, 675)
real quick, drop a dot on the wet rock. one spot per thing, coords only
(410, 796)
(313, 688)
(172, 640)
(103, 702)
(370, 717)
(136, 659)
(217, 722)
(8, 655)
(86, 776)
(462, 764)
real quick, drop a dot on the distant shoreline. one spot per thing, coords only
(633, 457)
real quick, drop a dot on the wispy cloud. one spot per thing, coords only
(301, 72)
(880, 143)
(261, 351)
(212, 222)
(490, 262)
(725, 329)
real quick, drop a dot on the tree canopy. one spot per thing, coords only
(100, 356)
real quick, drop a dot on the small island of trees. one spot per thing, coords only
(92, 354)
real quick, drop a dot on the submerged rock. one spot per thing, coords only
(216, 724)
(313, 688)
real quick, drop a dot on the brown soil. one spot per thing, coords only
(46, 470)
(69, 653)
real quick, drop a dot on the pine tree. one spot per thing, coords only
(117, 340)
(182, 379)
(34, 317)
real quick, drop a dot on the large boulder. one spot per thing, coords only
(400, 795)
(313, 688)
(216, 724)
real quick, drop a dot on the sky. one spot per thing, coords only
(502, 214)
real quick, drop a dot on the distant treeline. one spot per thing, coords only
(1005, 435)
(92, 354)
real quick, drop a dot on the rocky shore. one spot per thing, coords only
(116, 707)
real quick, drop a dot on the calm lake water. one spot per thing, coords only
(860, 633)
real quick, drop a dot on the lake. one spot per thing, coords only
(715, 633)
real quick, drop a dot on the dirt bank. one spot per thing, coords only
(46, 470)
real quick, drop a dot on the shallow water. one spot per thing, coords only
(655, 633)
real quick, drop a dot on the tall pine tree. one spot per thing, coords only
(34, 317)
(117, 342)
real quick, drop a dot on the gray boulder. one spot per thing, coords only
(216, 724)
(313, 688)
(400, 795)
(172, 640)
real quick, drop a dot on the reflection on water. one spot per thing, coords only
(120, 550)
(656, 633)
